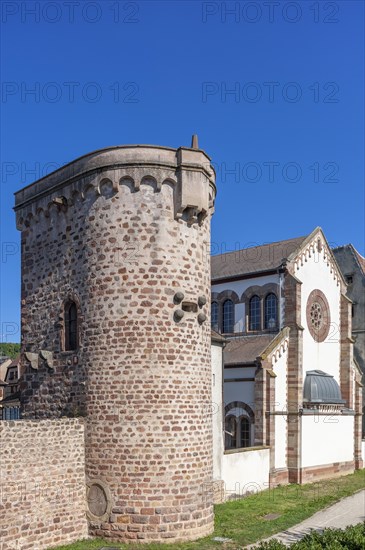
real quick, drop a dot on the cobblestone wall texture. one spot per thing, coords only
(120, 232)
(42, 483)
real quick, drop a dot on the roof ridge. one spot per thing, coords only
(259, 246)
(255, 259)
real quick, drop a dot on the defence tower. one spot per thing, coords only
(115, 327)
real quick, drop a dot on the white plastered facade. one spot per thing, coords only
(326, 439)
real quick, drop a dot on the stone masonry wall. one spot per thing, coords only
(42, 483)
(121, 242)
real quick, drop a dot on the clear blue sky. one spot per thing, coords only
(108, 73)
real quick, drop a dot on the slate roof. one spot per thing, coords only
(357, 256)
(253, 259)
(246, 349)
(361, 260)
(15, 361)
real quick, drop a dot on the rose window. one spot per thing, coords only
(316, 315)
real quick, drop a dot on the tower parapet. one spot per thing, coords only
(188, 170)
(115, 326)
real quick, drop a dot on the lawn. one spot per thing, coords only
(243, 520)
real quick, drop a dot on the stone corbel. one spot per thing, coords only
(48, 357)
(33, 359)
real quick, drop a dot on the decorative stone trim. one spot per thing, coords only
(220, 298)
(278, 477)
(278, 346)
(324, 471)
(292, 294)
(318, 315)
(104, 172)
(312, 250)
(314, 408)
(246, 449)
(240, 405)
(261, 291)
(99, 501)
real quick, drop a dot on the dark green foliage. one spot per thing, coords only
(9, 350)
(351, 538)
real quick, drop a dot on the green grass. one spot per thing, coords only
(242, 520)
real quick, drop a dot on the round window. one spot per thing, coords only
(318, 315)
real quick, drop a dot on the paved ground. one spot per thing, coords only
(348, 511)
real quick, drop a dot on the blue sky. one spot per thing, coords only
(273, 89)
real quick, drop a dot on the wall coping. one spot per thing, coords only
(247, 449)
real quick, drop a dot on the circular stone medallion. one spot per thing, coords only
(98, 500)
(318, 315)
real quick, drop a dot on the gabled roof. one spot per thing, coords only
(15, 362)
(246, 349)
(13, 365)
(253, 260)
(258, 260)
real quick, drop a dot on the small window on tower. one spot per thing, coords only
(70, 326)
(349, 279)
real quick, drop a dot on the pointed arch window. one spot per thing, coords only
(71, 328)
(214, 315)
(228, 316)
(271, 311)
(255, 313)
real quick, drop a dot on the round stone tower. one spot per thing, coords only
(115, 326)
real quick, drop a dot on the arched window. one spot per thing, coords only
(271, 311)
(214, 315)
(245, 439)
(228, 316)
(70, 326)
(255, 313)
(237, 431)
(230, 432)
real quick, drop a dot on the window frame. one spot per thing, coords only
(243, 419)
(227, 433)
(231, 325)
(250, 316)
(266, 319)
(233, 432)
